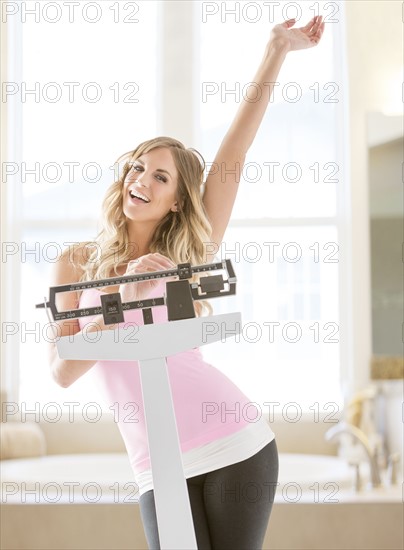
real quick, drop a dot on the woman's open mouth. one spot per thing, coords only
(138, 198)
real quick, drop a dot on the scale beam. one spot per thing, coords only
(112, 307)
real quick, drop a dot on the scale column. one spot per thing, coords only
(173, 509)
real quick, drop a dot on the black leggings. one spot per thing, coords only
(230, 506)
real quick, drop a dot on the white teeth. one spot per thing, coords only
(138, 195)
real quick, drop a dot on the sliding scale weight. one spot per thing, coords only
(183, 332)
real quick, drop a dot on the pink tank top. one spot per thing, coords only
(198, 390)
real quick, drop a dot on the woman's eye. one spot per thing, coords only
(138, 168)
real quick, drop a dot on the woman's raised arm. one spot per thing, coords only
(224, 176)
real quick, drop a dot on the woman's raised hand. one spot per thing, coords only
(299, 38)
(131, 292)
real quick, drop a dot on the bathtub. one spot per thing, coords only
(316, 506)
(101, 477)
(305, 470)
(108, 477)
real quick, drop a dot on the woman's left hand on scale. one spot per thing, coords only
(131, 292)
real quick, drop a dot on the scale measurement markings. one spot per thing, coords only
(87, 312)
(136, 278)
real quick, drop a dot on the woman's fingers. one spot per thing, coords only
(317, 25)
(150, 262)
(313, 25)
(310, 24)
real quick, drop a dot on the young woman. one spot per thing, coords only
(154, 217)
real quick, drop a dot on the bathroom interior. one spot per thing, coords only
(340, 483)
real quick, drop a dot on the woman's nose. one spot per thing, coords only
(142, 180)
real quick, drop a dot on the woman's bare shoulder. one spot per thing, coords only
(67, 268)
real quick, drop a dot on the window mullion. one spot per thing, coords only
(177, 115)
(11, 205)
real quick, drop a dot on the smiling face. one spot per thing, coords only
(153, 179)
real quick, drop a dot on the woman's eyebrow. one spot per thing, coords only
(157, 169)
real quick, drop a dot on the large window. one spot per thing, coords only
(82, 106)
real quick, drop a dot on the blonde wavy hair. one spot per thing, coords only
(181, 236)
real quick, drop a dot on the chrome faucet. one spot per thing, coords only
(360, 437)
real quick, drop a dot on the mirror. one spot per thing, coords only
(385, 156)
